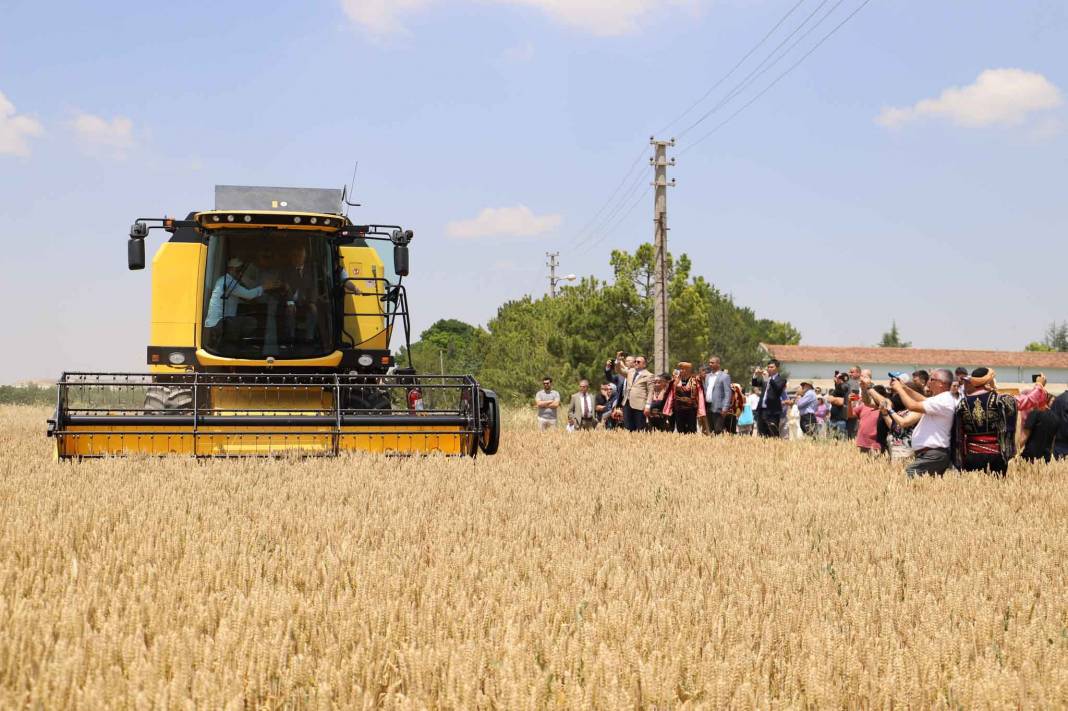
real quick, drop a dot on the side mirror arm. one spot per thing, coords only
(135, 248)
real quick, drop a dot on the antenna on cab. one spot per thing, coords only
(352, 190)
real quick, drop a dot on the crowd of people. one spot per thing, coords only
(930, 421)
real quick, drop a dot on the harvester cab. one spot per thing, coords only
(272, 318)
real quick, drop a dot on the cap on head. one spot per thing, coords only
(234, 263)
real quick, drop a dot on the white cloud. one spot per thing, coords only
(521, 53)
(381, 17)
(998, 97)
(599, 17)
(16, 129)
(516, 221)
(98, 136)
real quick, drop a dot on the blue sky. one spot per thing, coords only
(912, 168)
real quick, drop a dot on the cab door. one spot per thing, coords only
(364, 316)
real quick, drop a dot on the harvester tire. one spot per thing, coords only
(490, 439)
(369, 398)
(162, 398)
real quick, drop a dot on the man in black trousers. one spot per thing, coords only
(769, 409)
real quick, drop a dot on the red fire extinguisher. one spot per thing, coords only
(415, 400)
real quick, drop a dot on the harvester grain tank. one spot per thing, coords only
(272, 318)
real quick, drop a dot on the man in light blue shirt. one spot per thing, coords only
(806, 407)
(222, 325)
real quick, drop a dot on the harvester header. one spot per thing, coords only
(272, 317)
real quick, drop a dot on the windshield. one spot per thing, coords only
(269, 293)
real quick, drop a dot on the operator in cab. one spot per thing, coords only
(222, 325)
(302, 297)
(263, 273)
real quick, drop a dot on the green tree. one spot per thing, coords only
(448, 342)
(1056, 339)
(573, 335)
(28, 395)
(892, 339)
(516, 350)
(1057, 336)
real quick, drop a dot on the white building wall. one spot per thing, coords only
(1008, 376)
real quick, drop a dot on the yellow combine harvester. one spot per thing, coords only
(271, 322)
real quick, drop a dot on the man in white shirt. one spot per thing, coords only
(222, 324)
(717, 390)
(932, 436)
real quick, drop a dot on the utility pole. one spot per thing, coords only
(553, 263)
(660, 163)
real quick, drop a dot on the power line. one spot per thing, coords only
(605, 220)
(603, 228)
(777, 79)
(600, 220)
(733, 69)
(774, 57)
(786, 52)
(619, 221)
(586, 229)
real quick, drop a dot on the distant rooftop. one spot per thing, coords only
(846, 356)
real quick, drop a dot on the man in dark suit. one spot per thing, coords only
(303, 294)
(769, 409)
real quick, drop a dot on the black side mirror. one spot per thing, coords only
(135, 253)
(400, 259)
(400, 240)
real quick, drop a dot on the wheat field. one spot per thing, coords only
(592, 570)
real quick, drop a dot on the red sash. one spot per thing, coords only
(982, 444)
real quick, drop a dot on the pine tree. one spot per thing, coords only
(892, 339)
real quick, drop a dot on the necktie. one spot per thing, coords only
(585, 406)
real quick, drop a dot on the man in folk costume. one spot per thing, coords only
(984, 426)
(685, 399)
(737, 406)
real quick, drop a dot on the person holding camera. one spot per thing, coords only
(933, 433)
(896, 422)
(838, 399)
(637, 388)
(769, 411)
(612, 375)
(806, 408)
(1039, 432)
(868, 413)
